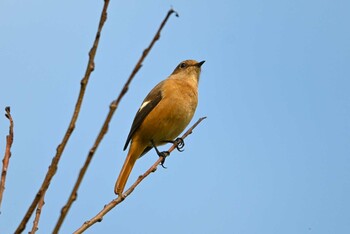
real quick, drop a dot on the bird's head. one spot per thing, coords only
(188, 68)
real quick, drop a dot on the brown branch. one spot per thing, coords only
(37, 215)
(6, 160)
(83, 84)
(119, 199)
(113, 106)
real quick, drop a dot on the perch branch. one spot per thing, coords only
(113, 106)
(83, 84)
(6, 160)
(119, 199)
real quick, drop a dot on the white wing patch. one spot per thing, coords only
(143, 105)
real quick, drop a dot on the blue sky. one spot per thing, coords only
(273, 155)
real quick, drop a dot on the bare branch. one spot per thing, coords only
(83, 84)
(119, 199)
(37, 215)
(6, 159)
(113, 106)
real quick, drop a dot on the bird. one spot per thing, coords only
(163, 115)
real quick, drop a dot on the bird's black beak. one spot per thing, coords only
(200, 63)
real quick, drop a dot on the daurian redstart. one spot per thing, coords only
(163, 115)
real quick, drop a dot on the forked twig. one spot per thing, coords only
(7, 155)
(83, 84)
(113, 106)
(119, 199)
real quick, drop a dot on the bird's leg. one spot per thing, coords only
(162, 154)
(180, 144)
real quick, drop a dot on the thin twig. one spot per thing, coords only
(37, 215)
(119, 199)
(7, 155)
(113, 106)
(83, 84)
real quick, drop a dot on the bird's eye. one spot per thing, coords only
(182, 65)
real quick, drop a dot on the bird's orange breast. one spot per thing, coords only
(172, 114)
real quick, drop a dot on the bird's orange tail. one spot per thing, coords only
(133, 154)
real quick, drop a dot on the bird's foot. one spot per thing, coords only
(162, 154)
(179, 142)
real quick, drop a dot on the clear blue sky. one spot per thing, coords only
(273, 156)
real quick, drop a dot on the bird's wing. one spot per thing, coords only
(151, 101)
